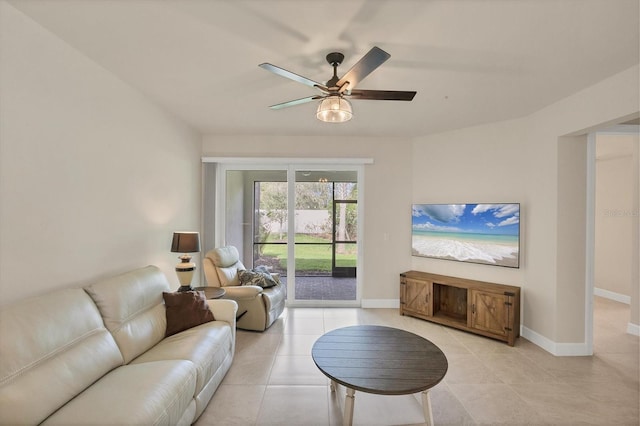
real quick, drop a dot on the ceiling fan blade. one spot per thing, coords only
(365, 66)
(295, 102)
(382, 95)
(293, 76)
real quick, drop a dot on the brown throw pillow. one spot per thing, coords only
(185, 310)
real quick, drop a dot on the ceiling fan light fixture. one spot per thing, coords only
(334, 109)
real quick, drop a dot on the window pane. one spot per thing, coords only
(271, 214)
(313, 259)
(273, 256)
(270, 226)
(346, 221)
(346, 191)
(346, 255)
(313, 212)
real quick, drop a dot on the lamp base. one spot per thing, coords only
(185, 270)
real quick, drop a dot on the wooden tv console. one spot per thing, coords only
(488, 309)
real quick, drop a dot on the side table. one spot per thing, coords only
(212, 292)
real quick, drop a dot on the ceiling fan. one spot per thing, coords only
(335, 106)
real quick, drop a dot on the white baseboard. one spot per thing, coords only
(557, 349)
(380, 303)
(633, 329)
(618, 297)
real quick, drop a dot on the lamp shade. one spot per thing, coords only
(185, 242)
(334, 109)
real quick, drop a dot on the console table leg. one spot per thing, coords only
(349, 400)
(426, 408)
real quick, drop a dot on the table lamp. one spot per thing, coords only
(185, 242)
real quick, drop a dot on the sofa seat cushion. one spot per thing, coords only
(154, 393)
(206, 346)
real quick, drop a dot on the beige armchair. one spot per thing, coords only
(258, 307)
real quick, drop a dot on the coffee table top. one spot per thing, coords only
(379, 360)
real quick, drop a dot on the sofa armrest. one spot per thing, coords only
(224, 310)
(242, 292)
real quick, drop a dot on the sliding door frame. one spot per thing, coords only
(291, 165)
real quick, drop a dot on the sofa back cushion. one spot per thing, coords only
(52, 347)
(132, 308)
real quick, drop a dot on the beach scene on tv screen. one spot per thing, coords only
(478, 233)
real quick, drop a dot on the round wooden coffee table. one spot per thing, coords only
(379, 360)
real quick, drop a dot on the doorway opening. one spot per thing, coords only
(613, 154)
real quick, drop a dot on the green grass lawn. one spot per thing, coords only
(309, 257)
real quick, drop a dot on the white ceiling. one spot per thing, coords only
(471, 61)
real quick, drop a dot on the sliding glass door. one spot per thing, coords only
(300, 222)
(325, 253)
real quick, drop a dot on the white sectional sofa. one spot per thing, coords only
(99, 355)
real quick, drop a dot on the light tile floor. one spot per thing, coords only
(273, 380)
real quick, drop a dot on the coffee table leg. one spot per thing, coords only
(349, 400)
(333, 386)
(426, 408)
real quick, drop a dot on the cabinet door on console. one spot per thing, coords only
(418, 296)
(489, 312)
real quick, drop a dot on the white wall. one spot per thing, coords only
(483, 164)
(614, 212)
(94, 178)
(387, 183)
(634, 318)
(538, 161)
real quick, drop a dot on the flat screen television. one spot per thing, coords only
(476, 233)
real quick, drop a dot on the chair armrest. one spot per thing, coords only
(242, 292)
